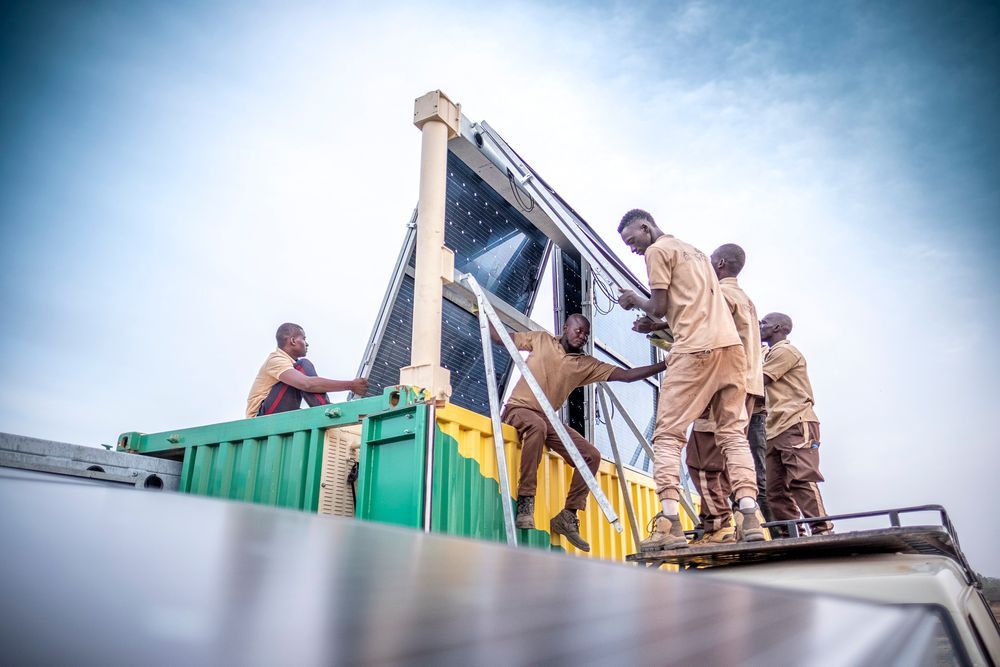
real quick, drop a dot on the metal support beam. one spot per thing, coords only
(622, 482)
(402, 267)
(608, 268)
(550, 413)
(685, 500)
(430, 437)
(462, 296)
(491, 384)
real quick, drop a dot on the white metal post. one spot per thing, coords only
(439, 120)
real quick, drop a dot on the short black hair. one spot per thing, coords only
(287, 331)
(734, 255)
(576, 316)
(782, 320)
(634, 215)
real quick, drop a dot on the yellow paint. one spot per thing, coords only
(474, 434)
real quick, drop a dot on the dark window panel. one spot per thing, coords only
(576, 415)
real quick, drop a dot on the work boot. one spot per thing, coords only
(566, 524)
(525, 518)
(748, 525)
(724, 535)
(667, 533)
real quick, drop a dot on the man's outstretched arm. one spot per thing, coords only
(318, 385)
(633, 374)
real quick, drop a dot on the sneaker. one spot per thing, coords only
(748, 525)
(566, 524)
(666, 533)
(525, 518)
(721, 536)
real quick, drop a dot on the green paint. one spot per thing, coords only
(275, 460)
(391, 487)
(278, 460)
(468, 503)
(321, 417)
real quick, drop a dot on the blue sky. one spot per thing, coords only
(177, 179)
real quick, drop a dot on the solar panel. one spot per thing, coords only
(613, 331)
(495, 243)
(504, 251)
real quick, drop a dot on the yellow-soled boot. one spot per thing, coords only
(725, 535)
(667, 533)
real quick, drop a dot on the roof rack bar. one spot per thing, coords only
(792, 525)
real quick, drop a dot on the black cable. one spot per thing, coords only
(611, 417)
(606, 290)
(352, 477)
(527, 208)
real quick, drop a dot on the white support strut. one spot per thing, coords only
(622, 482)
(550, 413)
(685, 500)
(491, 384)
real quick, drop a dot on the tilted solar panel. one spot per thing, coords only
(495, 243)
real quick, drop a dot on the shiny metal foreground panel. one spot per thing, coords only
(95, 575)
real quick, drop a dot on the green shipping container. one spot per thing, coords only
(275, 460)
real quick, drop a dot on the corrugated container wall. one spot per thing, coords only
(466, 495)
(297, 459)
(302, 460)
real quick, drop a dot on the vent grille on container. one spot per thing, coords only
(340, 452)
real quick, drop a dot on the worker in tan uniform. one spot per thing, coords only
(286, 378)
(706, 368)
(560, 366)
(792, 430)
(705, 462)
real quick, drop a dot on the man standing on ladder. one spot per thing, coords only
(704, 458)
(560, 366)
(706, 368)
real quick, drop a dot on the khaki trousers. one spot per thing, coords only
(792, 476)
(536, 433)
(695, 381)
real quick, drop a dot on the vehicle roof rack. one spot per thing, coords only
(939, 540)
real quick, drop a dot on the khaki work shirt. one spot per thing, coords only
(748, 327)
(276, 363)
(558, 372)
(789, 396)
(696, 310)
